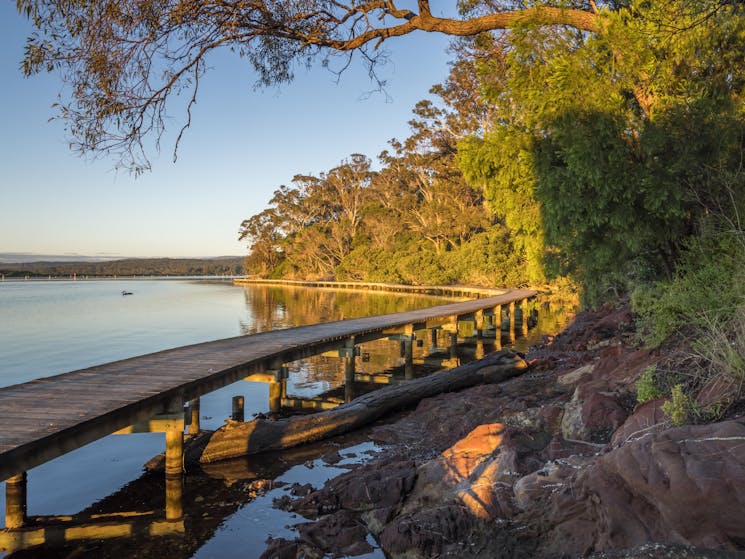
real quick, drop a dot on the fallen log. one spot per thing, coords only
(260, 435)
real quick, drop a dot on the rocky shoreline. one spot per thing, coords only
(558, 462)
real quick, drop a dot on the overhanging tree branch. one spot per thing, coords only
(124, 60)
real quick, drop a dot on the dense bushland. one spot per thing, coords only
(613, 159)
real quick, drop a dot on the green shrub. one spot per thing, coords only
(646, 388)
(679, 407)
(706, 290)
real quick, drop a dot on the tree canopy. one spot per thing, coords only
(125, 60)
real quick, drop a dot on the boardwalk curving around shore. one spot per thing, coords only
(48, 417)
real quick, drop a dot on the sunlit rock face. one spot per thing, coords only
(681, 486)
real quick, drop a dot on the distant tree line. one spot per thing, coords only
(129, 267)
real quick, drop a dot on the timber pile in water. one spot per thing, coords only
(557, 462)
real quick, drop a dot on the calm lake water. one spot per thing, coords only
(52, 327)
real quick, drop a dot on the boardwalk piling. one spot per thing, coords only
(512, 321)
(174, 451)
(174, 472)
(15, 501)
(237, 412)
(479, 352)
(194, 427)
(275, 397)
(433, 341)
(453, 345)
(408, 359)
(174, 501)
(349, 369)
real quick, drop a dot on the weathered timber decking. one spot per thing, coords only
(48, 417)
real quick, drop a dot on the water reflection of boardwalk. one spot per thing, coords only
(48, 417)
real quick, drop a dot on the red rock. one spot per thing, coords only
(559, 448)
(542, 364)
(681, 486)
(551, 418)
(581, 374)
(592, 418)
(366, 488)
(340, 534)
(463, 456)
(427, 532)
(647, 419)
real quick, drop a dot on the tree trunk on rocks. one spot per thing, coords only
(253, 437)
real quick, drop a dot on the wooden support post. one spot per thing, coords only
(194, 427)
(479, 353)
(15, 501)
(478, 318)
(237, 412)
(349, 378)
(275, 396)
(432, 340)
(408, 359)
(497, 328)
(453, 345)
(174, 472)
(349, 352)
(524, 317)
(174, 451)
(512, 321)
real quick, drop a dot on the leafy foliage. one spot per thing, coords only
(416, 220)
(125, 61)
(705, 291)
(679, 407)
(617, 140)
(646, 388)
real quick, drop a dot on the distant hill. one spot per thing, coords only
(224, 265)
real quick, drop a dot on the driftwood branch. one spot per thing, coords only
(253, 437)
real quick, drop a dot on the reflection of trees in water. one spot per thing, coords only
(214, 493)
(272, 307)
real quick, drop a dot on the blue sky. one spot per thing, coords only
(242, 145)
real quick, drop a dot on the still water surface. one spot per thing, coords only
(52, 327)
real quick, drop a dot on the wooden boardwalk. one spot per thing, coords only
(48, 417)
(435, 290)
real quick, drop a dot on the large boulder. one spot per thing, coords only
(681, 486)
